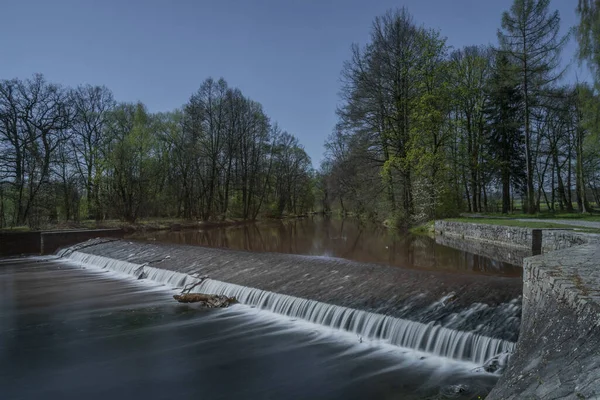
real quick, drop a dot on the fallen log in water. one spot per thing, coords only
(207, 300)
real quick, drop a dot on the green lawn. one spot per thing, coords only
(549, 215)
(545, 213)
(521, 224)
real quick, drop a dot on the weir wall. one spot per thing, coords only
(557, 354)
(537, 241)
(47, 242)
(15, 243)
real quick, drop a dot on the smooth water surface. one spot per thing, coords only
(344, 238)
(69, 333)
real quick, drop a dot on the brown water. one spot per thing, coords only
(343, 238)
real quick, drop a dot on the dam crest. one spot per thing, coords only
(431, 338)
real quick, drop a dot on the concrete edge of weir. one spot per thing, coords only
(556, 355)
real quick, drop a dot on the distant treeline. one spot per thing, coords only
(75, 153)
(427, 131)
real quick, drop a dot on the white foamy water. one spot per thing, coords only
(428, 338)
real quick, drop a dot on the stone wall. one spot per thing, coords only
(535, 241)
(557, 352)
(558, 239)
(54, 240)
(496, 234)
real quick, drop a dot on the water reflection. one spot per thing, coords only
(344, 238)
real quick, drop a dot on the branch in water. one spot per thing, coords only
(187, 290)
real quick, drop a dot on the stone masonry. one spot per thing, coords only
(557, 354)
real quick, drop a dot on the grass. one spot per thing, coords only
(522, 224)
(427, 228)
(16, 229)
(549, 215)
(546, 213)
(512, 222)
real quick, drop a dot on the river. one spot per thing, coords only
(350, 239)
(72, 333)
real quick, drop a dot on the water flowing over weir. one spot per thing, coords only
(429, 338)
(85, 332)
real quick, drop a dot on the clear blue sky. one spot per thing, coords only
(286, 54)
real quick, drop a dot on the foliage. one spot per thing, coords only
(66, 152)
(588, 34)
(425, 132)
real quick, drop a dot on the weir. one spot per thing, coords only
(437, 337)
(485, 305)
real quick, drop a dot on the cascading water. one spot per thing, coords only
(433, 339)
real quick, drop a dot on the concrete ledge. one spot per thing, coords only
(558, 239)
(557, 352)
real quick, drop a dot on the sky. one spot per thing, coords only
(286, 54)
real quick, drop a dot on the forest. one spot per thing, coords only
(424, 131)
(75, 153)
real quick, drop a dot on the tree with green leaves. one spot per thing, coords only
(392, 109)
(588, 34)
(91, 107)
(133, 170)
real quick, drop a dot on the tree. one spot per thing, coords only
(133, 172)
(386, 85)
(34, 118)
(530, 38)
(470, 68)
(91, 108)
(502, 113)
(216, 157)
(588, 34)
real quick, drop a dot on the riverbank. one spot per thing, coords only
(149, 225)
(144, 225)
